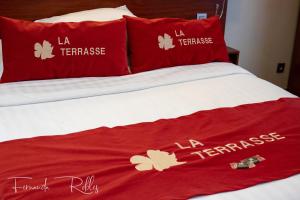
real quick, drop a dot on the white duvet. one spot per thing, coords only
(54, 107)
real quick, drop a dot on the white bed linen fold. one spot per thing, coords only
(29, 109)
(31, 92)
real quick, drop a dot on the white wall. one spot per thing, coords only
(263, 31)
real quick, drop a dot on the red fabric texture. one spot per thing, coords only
(167, 42)
(106, 154)
(35, 51)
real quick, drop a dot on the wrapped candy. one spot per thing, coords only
(247, 163)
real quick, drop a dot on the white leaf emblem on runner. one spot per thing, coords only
(159, 160)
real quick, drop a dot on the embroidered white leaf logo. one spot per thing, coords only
(43, 51)
(159, 160)
(165, 42)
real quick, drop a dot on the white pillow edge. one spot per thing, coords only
(55, 18)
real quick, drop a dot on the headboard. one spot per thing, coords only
(37, 9)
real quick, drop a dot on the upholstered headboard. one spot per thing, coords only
(37, 9)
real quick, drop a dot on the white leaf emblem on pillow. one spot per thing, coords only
(43, 51)
(165, 42)
(159, 160)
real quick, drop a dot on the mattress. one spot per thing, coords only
(56, 107)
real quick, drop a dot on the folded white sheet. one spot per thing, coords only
(31, 92)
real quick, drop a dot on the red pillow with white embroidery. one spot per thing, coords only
(166, 42)
(35, 51)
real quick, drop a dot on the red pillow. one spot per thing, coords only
(166, 42)
(33, 50)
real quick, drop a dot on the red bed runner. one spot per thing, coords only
(204, 153)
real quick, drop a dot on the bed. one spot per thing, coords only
(61, 106)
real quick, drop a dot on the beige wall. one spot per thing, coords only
(264, 31)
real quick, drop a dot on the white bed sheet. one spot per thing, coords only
(38, 108)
